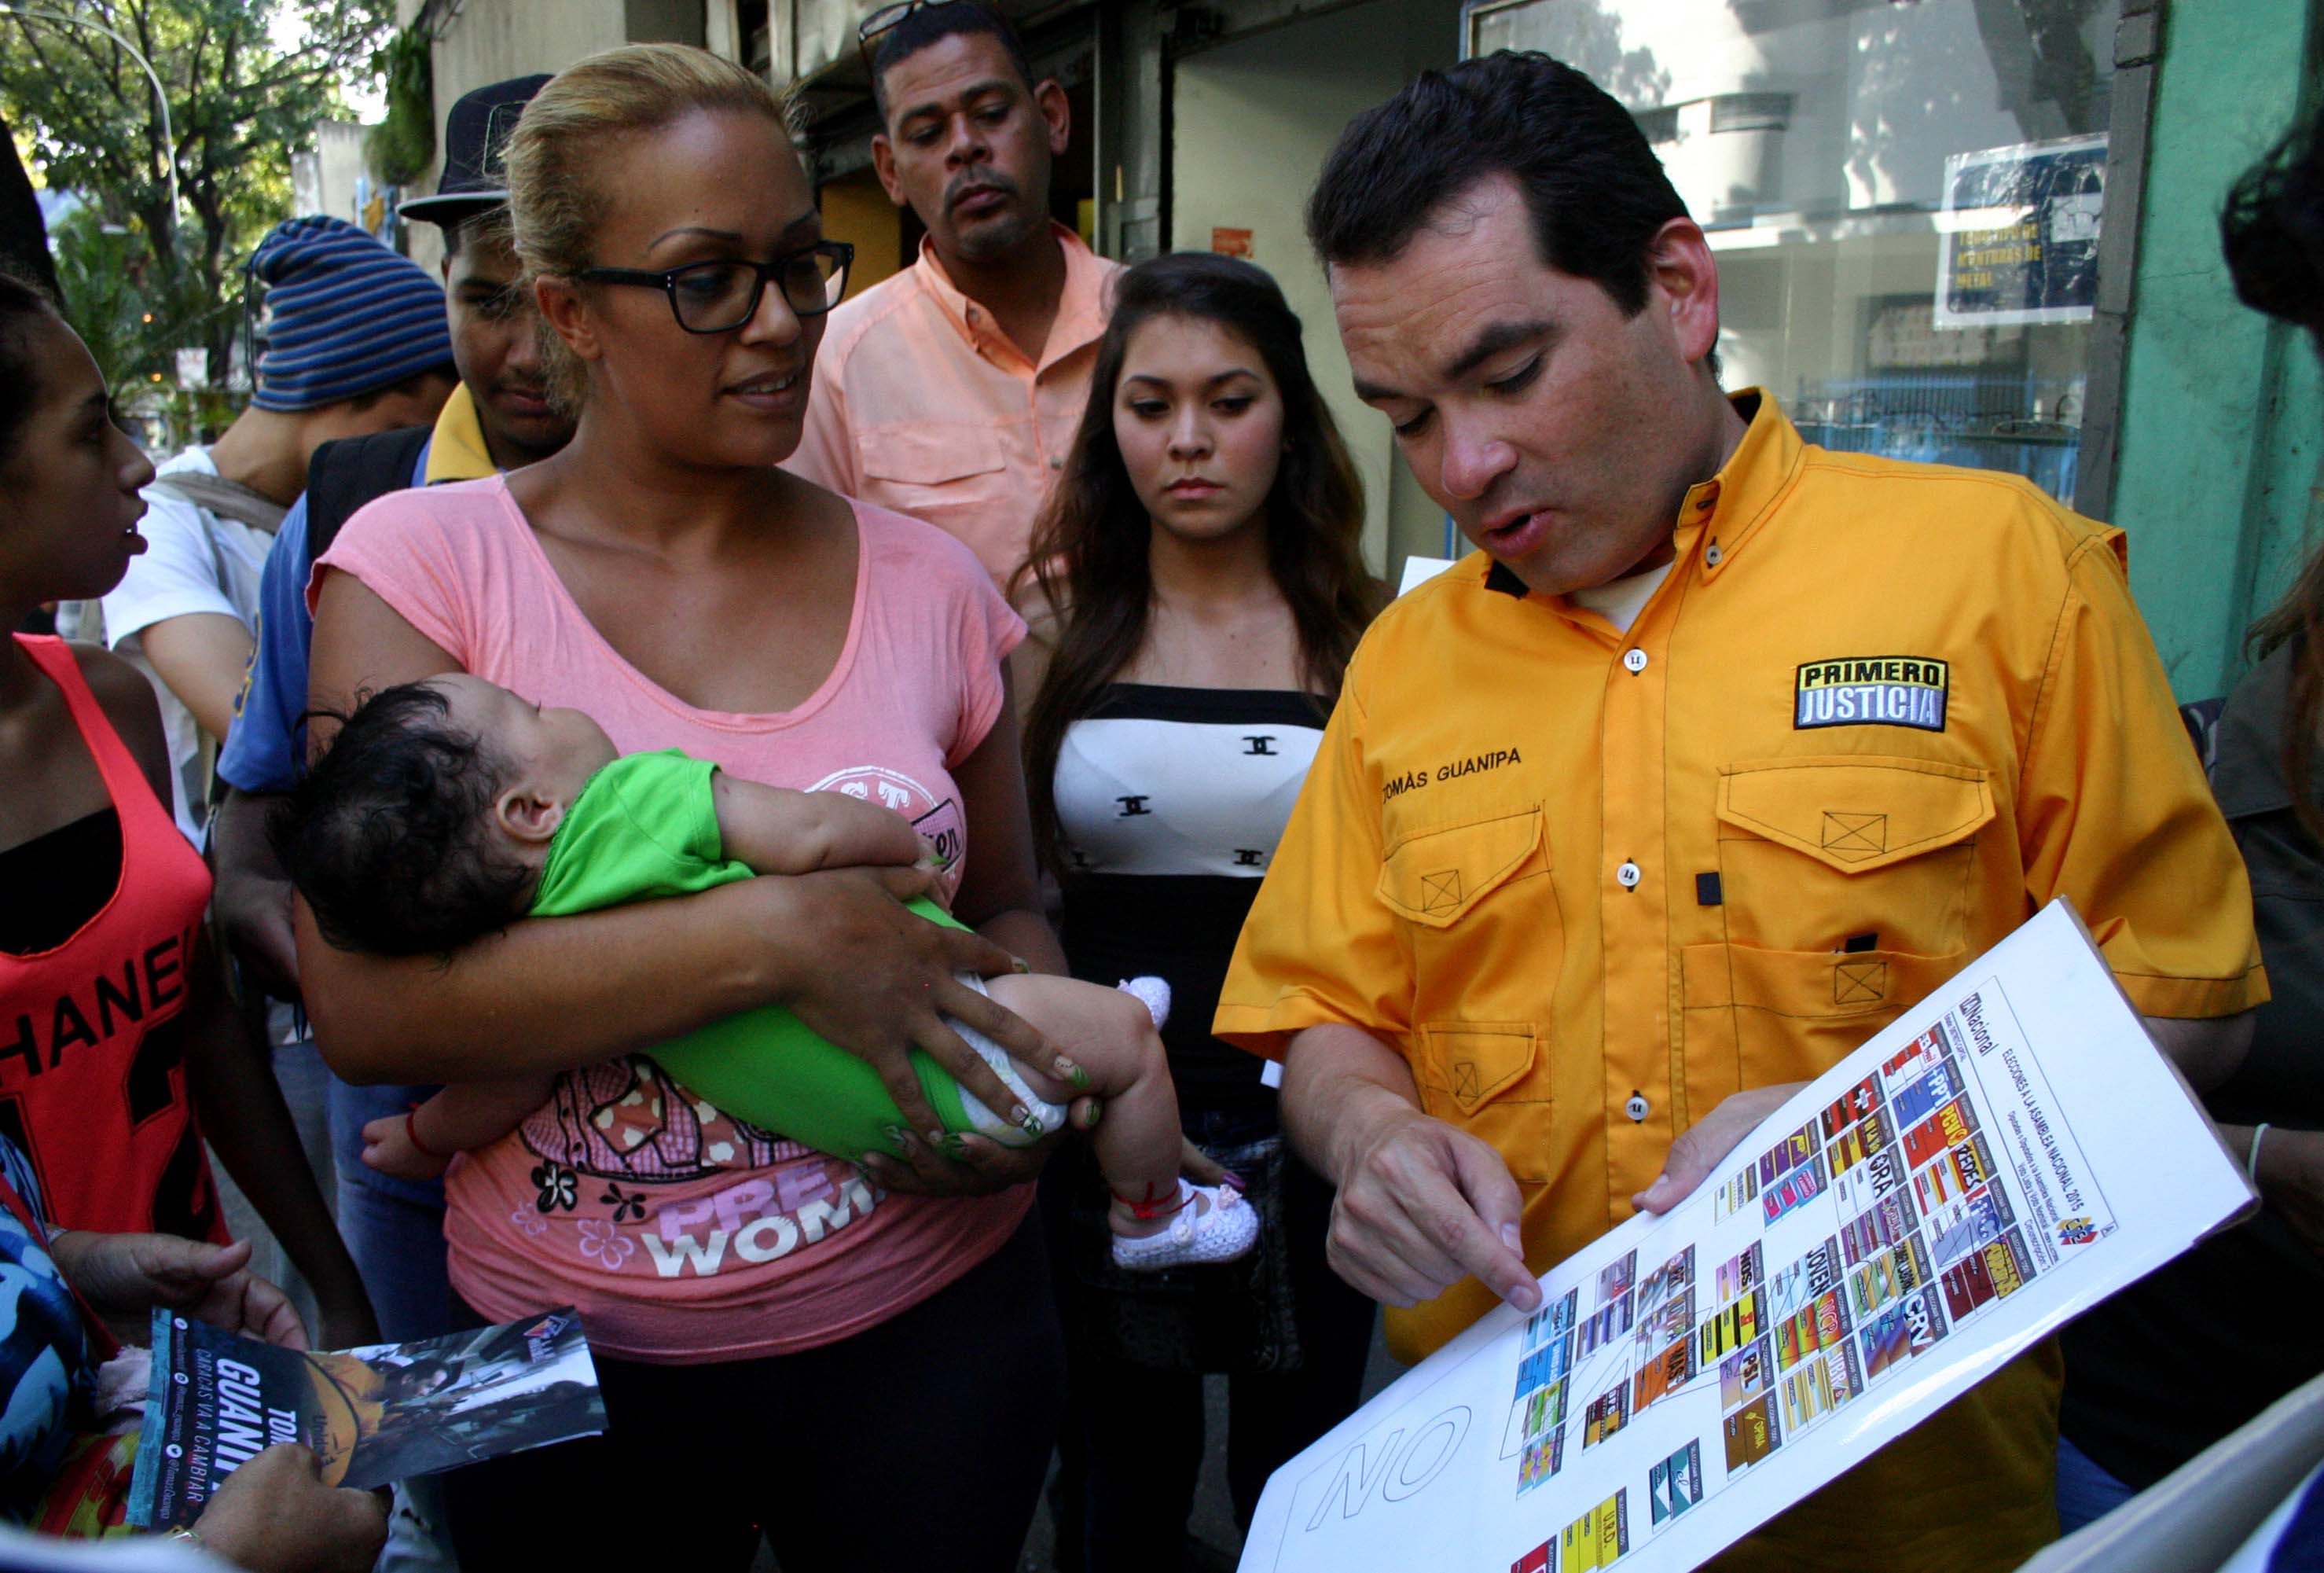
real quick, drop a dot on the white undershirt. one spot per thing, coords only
(1619, 601)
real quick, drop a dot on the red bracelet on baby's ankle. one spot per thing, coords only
(411, 1131)
(1150, 1208)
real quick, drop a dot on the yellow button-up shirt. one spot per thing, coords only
(1589, 883)
(921, 403)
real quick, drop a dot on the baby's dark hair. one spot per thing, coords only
(388, 833)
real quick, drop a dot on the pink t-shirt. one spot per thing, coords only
(681, 1235)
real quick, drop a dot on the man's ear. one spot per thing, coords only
(1684, 276)
(565, 314)
(1050, 100)
(883, 164)
(528, 816)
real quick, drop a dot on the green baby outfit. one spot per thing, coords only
(647, 826)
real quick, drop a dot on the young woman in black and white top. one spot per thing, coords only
(1196, 589)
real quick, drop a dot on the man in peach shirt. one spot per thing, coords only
(951, 390)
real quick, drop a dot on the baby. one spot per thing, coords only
(446, 810)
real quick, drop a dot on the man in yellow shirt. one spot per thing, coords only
(1722, 752)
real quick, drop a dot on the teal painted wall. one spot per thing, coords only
(2223, 411)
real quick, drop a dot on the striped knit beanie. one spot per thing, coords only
(345, 315)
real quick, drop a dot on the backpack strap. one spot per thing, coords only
(344, 476)
(226, 499)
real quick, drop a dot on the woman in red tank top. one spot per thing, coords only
(115, 1030)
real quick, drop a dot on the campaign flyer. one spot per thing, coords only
(372, 1415)
(2008, 1151)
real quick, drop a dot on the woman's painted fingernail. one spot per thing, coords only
(1021, 964)
(1236, 1181)
(1072, 1073)
(954, 1147)
(1096, 1111)
(936, 1138)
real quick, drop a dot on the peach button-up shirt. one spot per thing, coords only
(921, 403)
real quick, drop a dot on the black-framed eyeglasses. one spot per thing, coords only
(718, 296)
(888, 18)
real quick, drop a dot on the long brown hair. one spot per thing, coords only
(2273, 233)
(1090, 549)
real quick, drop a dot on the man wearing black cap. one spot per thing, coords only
(499, 417)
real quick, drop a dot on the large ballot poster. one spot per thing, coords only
(2007, 1152)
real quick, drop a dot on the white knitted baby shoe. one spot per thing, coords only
(1153, 993)
(1221, 1232)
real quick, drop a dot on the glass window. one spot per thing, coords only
(1905, 199)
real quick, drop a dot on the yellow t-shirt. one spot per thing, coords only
(1589, 883)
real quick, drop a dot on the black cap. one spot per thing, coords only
(475, 134)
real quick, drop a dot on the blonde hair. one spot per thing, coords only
(556, 202)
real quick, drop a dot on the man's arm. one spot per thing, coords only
(252, 898)
(171, 610)
(2207, 1051)
(2290, 1178)
(201, 656)
(259, 764)
(1420, 1205)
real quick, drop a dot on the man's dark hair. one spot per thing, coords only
(1595, 190)
(389, 835)
(461, 234)
(2272, 231)
(931, 25)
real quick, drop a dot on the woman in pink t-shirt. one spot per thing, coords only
(785, 1349)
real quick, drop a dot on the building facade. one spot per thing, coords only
(1981, 232)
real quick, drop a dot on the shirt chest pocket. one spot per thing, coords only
(1814, 854)
(1844, 886)
(1480, 916)
(931, 466)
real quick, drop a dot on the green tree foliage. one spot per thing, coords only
(101, 270)
(400, 148)
(239, 102)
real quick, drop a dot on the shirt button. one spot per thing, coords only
(1637, 1108)
(1057, 464)
(1627, 875)
(1635, 660)
(1711, 554)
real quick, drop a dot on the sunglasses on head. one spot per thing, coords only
(888, 18)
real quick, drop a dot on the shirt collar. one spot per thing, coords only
(458, 452)
(1080, 307)
(1726, 510)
